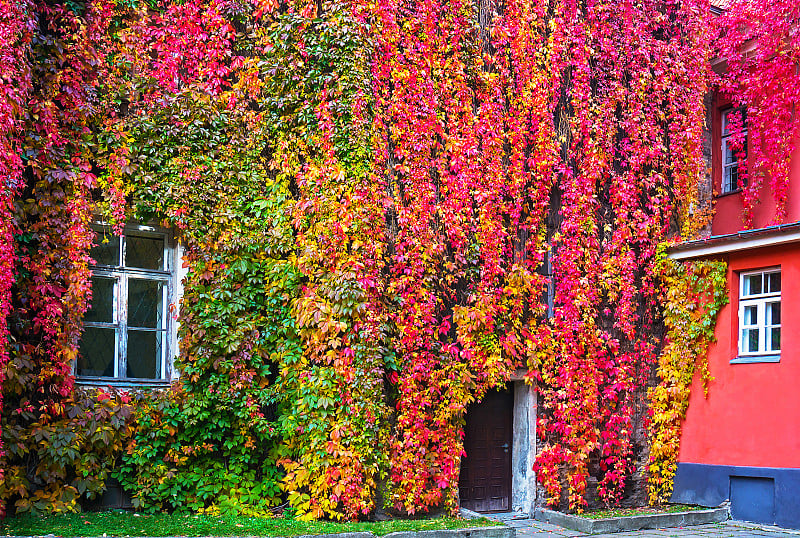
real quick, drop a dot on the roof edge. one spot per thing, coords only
(744, 240)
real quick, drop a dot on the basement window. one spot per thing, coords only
(760, 316)
(127, 334)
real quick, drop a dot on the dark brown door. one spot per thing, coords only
(485, 481)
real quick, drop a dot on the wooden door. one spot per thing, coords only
(485, 481)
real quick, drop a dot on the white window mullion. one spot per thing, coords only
(116, 318)
(122, 342)
(162, 333)
(762, 324)
(742, 329)
(122, 346)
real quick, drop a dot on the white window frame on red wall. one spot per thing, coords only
(757, 315)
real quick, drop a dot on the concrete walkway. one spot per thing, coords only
(530, 528)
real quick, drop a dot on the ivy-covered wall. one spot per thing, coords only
(369, 195)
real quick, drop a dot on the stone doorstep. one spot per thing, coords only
(469, 514)
(632, 523)
(471, 532)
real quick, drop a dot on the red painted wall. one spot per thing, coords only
(729, 207)
(752, 414)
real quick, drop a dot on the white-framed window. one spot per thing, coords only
(128, 334)
(760, 315)
(730, 157)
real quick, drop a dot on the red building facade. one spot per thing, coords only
(741, 443)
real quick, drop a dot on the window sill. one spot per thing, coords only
(729, 193)
(124, 384)
(751, 359)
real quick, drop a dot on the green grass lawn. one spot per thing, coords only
(646, 510)
(133, 524)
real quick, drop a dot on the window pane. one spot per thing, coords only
(97, 352)
(144, 354)
(144, 252)
(145, 301)
(773, 313)
(731, 178)
(106, 249)
(775, 339)
(730, 156)
(741, 117)
(752, 284)
(773, 282)
(750, 315)
(102, 308)
(751, 340)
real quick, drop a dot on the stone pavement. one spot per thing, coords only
(530, 528)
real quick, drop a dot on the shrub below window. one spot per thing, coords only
(60, 454)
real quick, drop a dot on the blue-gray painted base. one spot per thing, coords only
(768, 495)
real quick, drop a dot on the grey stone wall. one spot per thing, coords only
(706, 187)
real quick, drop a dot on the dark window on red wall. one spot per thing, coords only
(733, 148)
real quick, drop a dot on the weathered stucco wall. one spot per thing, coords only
(523, 450)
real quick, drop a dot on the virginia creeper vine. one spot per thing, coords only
(760, 44)
(693, 294)
(16, 22)
(371, 199)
